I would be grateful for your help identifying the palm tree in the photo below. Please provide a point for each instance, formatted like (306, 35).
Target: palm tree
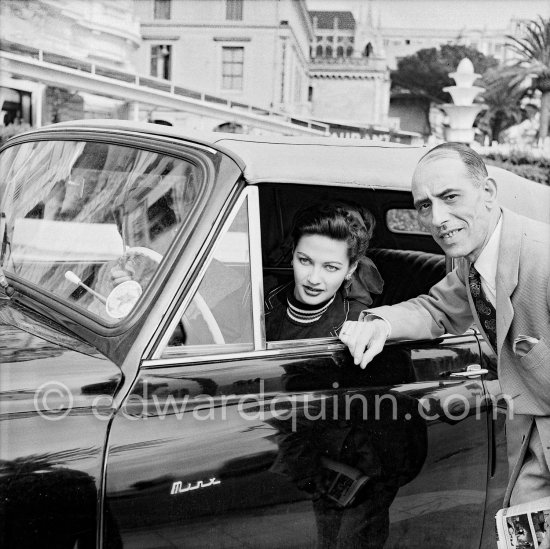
(532, 69)
(503, 105)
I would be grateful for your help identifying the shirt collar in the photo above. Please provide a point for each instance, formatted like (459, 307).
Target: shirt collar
(486, 263)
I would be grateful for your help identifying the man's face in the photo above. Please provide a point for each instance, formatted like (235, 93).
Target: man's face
(452, 208)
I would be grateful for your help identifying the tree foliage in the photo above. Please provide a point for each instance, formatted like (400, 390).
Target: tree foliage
(531, 70)
(426, 72)
(503, 106)
(533, 50)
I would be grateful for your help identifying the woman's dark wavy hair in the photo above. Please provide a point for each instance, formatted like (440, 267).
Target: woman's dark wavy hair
(343, 221)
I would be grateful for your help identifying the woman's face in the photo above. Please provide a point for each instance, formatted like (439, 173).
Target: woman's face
(320, 265)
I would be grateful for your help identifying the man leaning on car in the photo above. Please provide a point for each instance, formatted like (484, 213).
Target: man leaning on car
(501, 282)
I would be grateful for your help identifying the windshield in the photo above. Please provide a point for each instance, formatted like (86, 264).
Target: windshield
(90, 222)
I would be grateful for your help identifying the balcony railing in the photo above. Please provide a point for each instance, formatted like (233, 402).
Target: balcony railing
(348, 63)
(150, 82)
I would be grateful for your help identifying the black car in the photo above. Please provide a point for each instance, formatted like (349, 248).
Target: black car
(153, 412)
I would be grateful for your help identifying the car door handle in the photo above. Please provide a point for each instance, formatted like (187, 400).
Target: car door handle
(473, 370)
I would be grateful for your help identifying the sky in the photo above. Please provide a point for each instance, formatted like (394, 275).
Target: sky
(455, 14)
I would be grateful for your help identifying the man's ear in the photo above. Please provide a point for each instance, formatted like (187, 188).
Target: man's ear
(490, 190)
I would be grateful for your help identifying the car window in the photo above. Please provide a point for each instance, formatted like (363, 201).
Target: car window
(405, 265)
(404, 220)
(90, 222)
(218, 317)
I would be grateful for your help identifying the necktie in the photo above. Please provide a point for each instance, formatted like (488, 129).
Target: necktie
(485, 310)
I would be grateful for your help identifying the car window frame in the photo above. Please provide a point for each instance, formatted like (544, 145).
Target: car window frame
(262, 347)
(162, 351)
(187, 151)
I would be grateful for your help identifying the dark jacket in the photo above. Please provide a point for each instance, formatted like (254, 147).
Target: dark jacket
(279, 326)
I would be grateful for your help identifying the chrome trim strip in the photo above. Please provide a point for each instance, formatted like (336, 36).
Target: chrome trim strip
(198, 279)
(256, 268)
(216, 361)
(301, 347)
(125, 132)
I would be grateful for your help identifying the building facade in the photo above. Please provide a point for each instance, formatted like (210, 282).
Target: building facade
(406, 26)
(93, 31)
(272, 53)
(68, 59)
(399, 28)
(350, 81)
(235, 49)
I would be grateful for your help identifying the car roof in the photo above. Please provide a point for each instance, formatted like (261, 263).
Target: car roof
(522, 195)
(328, 161)
(282, 159)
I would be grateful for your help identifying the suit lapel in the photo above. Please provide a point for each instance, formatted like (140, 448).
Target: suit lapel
(507, 272)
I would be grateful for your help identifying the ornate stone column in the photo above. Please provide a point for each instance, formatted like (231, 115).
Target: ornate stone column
(462, 111)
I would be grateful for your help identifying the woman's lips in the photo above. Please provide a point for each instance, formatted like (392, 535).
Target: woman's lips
(314, 292)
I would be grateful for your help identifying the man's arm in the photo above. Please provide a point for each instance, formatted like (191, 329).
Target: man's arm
(444, 310)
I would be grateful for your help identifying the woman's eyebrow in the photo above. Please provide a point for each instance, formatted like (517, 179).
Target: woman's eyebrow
(330, 261)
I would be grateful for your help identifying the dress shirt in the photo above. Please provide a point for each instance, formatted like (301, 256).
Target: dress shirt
(486, 264)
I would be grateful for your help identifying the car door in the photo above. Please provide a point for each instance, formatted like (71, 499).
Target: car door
(51, 434)
(77, 203)
(219, 442)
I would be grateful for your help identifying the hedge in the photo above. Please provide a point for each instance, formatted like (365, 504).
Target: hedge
(535, 169)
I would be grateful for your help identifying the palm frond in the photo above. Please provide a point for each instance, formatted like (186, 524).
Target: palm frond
(535, 44)
(510, 83)
(535, 35)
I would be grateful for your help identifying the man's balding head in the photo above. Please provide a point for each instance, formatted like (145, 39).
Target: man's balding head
(473, 163)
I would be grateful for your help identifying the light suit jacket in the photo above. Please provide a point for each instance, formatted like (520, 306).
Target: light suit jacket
(522, 308)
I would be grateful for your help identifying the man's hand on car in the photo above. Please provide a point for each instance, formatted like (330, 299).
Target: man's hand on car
(364, 339)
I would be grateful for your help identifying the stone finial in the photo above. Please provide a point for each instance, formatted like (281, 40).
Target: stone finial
(465, 66)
